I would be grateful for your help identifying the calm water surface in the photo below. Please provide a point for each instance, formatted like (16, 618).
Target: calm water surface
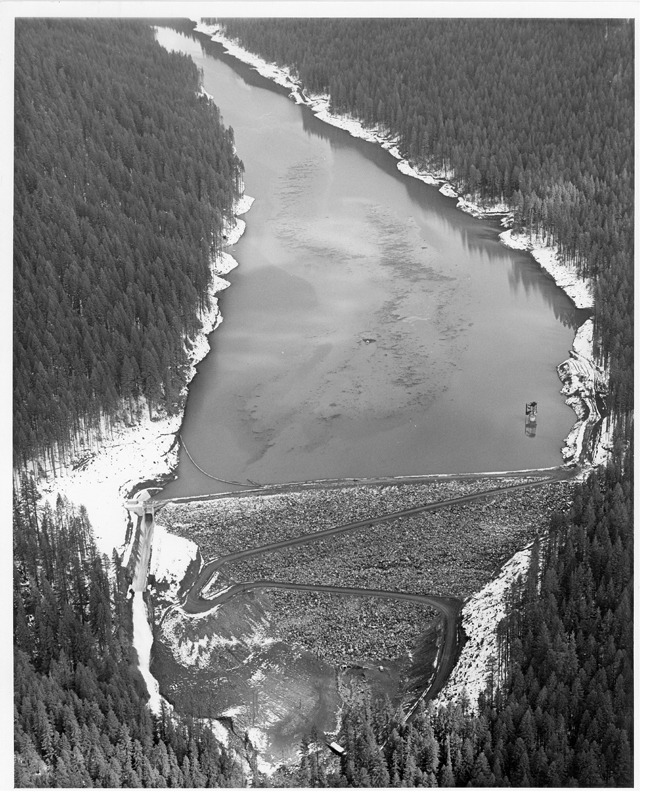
(371, 327)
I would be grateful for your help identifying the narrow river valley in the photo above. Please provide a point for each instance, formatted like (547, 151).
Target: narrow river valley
(323, 425)
(371, 329)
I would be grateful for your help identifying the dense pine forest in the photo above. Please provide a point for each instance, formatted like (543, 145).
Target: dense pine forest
(80, 712)
(123, 177)
(536, 113)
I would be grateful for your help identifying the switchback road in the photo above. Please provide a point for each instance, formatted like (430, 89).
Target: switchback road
(194, 595)
(449, 608)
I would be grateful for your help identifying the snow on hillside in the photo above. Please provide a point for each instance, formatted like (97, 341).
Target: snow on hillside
(579, 290)
(171, 557)
(127, 454)
(480, 618)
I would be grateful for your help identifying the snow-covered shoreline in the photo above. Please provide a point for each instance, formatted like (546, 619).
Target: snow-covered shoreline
(319, 104)
(579, 290)
(583, 378)
(132, 454)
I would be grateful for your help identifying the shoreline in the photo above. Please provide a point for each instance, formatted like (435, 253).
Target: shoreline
(481, 614)
(579, 373)
(565, 277)
(579, 290)
(128, 455)
(149, 449)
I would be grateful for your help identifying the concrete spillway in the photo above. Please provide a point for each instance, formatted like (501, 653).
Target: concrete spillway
(141, 574)
(142, 633)
(142, 642)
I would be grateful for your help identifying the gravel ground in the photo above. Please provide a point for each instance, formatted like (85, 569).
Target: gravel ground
(452, 552)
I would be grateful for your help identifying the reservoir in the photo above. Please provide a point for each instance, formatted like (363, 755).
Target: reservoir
(371, 328)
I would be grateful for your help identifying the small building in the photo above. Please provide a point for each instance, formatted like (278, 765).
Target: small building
(149, 511)
(336, 748)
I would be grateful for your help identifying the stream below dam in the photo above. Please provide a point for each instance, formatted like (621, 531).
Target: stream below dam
(371, 327)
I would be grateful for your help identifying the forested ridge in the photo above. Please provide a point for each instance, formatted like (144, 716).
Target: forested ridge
(536, 113)
(80, 703)
(123, 177)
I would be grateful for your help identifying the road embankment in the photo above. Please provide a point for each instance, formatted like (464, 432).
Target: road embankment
(195, 602)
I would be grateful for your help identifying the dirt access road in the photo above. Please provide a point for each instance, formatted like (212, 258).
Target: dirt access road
(449, 607)
(195, 603)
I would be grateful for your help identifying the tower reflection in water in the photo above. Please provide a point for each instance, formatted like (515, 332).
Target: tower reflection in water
(530, 419)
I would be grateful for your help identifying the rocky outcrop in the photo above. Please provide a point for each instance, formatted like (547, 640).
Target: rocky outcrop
(584, 387)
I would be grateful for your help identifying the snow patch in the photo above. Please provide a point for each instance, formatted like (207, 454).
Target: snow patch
(480, 617)
(583, 379)
(258, 641)
(604, 446)
(579, 290)
(260, 741)
(126, 454)
(426, 177)
(257, 738)
(225, 264)
(480, 209)
(233, 711)
(243, 205)
(170, 557)
(219, 730)
(220, 284)
(448, 190)
(257, 678)
(234, 232)
(194, 653)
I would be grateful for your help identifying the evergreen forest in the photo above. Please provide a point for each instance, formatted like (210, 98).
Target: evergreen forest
(124, 176)
(80, 712)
